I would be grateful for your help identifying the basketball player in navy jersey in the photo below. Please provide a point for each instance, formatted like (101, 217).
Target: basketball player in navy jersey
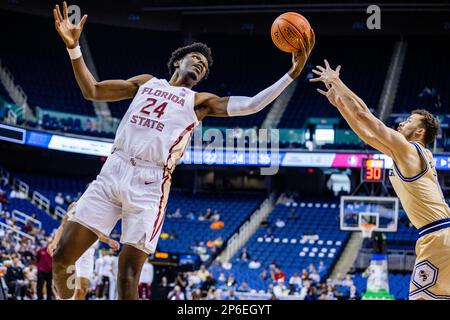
(134, 182)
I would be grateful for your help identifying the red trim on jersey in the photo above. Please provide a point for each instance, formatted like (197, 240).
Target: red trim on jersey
(157, 225)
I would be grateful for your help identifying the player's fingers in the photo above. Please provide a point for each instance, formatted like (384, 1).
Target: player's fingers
(55, 15)
(338, 69)
(58, 11)
(327, 65)
(82, 22)
(65, 11)
(321, 92)
(320, 68)
(315, 79)
(319, 73)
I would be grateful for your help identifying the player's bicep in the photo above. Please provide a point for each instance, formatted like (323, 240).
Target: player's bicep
(116, 90)
(208, 104)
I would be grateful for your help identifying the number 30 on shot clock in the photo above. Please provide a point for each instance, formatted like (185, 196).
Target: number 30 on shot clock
(372, 170)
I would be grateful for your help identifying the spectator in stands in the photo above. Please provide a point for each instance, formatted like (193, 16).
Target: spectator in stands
(293, 215)
(15, 193)
(296, 280)
(145, 281)
(213, 294)
(231, 281)
(181, 281)
(203, 273)
(269, 234)
(244, 256)
(353, 293)
(244, 287)
(3, 198)
(264, 275)
(314, 236)
(196, 295)
(279, 275)
(279, 223)
(190, 216)
(59, 200)
(314, 276)
(321, 269)
(279, 290)
(216, 215)
(15, 280)
(68, 200)
(176, 215)
(231, 296)
(206, 216)
(221, 280)
(347, 282)
(44, 267)
(207, 284)
(254, 264)
(194, 280)
(176, 294)
(30, 272)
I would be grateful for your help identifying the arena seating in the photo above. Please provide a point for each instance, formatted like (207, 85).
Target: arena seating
(425, 67)
(287, 249)
(46, 76)
(366, 79)
(233, 210)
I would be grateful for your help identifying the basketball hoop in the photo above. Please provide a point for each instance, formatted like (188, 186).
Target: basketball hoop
(367, 230)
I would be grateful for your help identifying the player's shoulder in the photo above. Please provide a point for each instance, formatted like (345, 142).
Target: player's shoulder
(141, 79)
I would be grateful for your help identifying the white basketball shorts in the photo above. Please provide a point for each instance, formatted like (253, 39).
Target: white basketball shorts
(84, 266)
(130, 189)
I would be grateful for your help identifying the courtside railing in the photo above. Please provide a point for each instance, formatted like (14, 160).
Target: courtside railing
(41, 201)
(24, 218)
(59, 212)
(17, 233)
(21, 186)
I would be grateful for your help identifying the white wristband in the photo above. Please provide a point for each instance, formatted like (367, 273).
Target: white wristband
(74, 53)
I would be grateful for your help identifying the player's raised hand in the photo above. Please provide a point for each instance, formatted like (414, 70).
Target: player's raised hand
(114, 245)
(69, 32)
(329, 77)
(300, 57)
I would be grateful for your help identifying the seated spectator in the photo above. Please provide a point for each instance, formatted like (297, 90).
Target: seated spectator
(206, 216)
(231, 281)
(305, 275)
(280, 223)
(17, 194)
(221, 280)
(176, 294)
(314, 276)
(311, 268)
(59, 200)
(321, 269)
(293, 215)
(197, 295)
(203, 273)
(15, 280)
(279, 275)
(227, 265)
(347, 282)
(353, 293)
(305, 237)
(216, 215)
(269, 234)
(264, 275)
(194, 280)
(3, 198)
(190, 216)
(279, 290)
(177, 214)
(231, 296)
(296, 280)
(244, 256)
(207, 284)
(244, 287)
(314, 236)
(68, 200)
(254, 264)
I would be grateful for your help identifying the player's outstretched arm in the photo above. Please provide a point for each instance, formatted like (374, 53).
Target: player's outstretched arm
(208, 104)
(369, 128)
(109, 90)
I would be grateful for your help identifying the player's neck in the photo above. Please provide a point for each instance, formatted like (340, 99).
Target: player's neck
(178, 81)
(420, 142)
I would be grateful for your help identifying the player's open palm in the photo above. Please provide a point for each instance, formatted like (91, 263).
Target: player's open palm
(69, 32)
(328, 76)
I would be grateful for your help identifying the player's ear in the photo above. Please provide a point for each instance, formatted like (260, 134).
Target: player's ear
(420, 131)
(177, 63)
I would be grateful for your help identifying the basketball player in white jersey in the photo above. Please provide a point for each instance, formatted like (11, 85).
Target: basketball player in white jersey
(134, 182)
(84, 266)
(413, 177)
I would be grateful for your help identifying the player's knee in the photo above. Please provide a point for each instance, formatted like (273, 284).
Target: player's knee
(61, 259)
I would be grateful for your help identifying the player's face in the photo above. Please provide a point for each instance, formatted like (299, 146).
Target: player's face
(411, 127)
(194, 65)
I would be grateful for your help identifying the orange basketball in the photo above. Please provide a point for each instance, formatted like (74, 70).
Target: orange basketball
(287, 31)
